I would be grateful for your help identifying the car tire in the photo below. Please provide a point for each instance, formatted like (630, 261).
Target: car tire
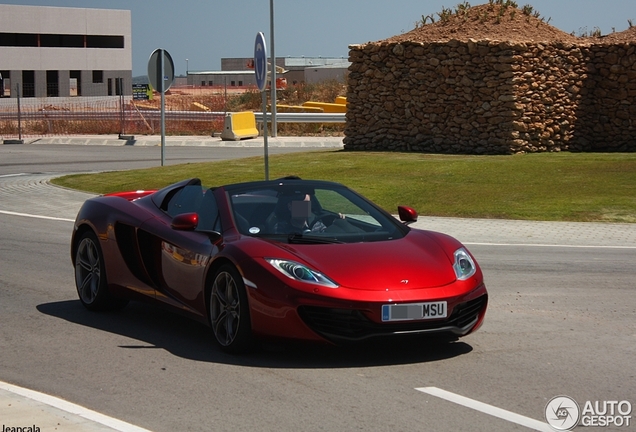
(229, 311)
(90, 276)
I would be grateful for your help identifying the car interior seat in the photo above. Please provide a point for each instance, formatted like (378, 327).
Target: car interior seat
(209, 218)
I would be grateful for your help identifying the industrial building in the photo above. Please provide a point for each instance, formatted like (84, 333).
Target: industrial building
(239, 72)
(60, 52)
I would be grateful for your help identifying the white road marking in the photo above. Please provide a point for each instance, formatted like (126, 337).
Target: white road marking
(36, 216)
(72, 408)
(487, 409)
(549, 245)
(13, 175)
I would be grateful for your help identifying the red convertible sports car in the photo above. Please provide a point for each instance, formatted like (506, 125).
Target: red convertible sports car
(291, 258)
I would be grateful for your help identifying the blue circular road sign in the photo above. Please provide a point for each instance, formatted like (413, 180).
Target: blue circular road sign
(260, 61)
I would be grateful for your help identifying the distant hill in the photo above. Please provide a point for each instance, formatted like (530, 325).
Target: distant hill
(141, 79)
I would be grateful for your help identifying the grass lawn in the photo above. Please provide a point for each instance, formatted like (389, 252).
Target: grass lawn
(544, 186)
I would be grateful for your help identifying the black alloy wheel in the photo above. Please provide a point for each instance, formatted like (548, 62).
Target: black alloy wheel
(229, 311)
(90, 276)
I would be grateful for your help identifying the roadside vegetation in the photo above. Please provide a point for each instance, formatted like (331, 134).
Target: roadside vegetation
(547, 186)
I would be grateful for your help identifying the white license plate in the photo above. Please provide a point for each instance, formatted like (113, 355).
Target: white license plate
(414, 311)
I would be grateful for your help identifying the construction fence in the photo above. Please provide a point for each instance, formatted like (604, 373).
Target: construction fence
(187, 112)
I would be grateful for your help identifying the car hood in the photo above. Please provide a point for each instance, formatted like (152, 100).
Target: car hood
(414, 261)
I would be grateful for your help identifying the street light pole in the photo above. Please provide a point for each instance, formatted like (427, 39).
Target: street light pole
(273, 61)
(186, 68)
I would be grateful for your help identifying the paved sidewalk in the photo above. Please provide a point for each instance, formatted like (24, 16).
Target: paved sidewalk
(533, 233)
(27, 410)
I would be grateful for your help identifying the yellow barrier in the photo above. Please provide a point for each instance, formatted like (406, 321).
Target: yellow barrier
(297, 108)
(196, 106)
(239, 125)
(342, 100)
(327, 107)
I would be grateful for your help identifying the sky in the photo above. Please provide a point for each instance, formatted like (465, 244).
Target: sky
(204, 31)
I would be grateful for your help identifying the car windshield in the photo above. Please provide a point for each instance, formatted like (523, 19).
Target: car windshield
(307, 212)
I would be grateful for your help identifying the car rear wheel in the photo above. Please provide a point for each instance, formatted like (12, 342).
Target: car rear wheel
(90, 275)
(229, 311)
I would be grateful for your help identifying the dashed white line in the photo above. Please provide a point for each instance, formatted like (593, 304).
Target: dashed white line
(72, 408)
(36, 216)
(487, 409)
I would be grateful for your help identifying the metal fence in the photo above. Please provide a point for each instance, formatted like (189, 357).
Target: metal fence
(188, 113)
(196, 114)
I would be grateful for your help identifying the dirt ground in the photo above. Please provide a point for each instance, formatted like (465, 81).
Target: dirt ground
(497, 22)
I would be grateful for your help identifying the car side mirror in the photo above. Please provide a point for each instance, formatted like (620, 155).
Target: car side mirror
(407, 214)
(185, 222)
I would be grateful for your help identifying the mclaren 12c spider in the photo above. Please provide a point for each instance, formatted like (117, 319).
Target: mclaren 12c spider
(287, 258)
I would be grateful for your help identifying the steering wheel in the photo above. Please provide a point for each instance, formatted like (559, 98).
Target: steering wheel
(326, 218)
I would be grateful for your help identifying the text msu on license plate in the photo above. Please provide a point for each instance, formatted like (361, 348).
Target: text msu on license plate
(414, 311)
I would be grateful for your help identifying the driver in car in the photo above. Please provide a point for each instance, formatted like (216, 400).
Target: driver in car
(297, 217)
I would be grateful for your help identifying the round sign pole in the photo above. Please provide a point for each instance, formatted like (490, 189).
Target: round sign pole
(274, 97)
(163, 107)
(260, 71)
(161, 77)
(265, 155)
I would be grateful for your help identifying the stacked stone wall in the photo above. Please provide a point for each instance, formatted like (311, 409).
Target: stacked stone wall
(489, 97)
(606, 115)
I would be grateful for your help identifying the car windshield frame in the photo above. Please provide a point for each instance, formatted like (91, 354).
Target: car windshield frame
(309, 212)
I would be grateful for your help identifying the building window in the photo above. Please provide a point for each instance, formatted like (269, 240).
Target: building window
(5, 79)
(18, 40)
(104, 41)
(72, 41)
(210, 83)
(28, 83)
(47, 40)
(98, 77)
(202, 83)
(75, 83)
(52, 83)
(50, 40)
(232, 83)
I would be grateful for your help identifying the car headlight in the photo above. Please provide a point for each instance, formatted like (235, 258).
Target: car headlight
(464, 265)
(300, 272)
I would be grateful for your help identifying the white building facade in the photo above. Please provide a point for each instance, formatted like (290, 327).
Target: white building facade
(237, 71)
(60, 52)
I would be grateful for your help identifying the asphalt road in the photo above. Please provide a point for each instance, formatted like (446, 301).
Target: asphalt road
(33, 158)
(560, 322)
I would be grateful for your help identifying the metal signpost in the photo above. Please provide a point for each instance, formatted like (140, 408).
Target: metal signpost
(260, 69)
(161, 76)
(17, 92)
(274, 83)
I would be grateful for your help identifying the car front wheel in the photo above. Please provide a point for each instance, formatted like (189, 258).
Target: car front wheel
(229, 311)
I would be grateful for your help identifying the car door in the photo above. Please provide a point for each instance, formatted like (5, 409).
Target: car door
(178, 259)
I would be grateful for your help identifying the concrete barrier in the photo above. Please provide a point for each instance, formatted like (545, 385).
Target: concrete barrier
(239, 125)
